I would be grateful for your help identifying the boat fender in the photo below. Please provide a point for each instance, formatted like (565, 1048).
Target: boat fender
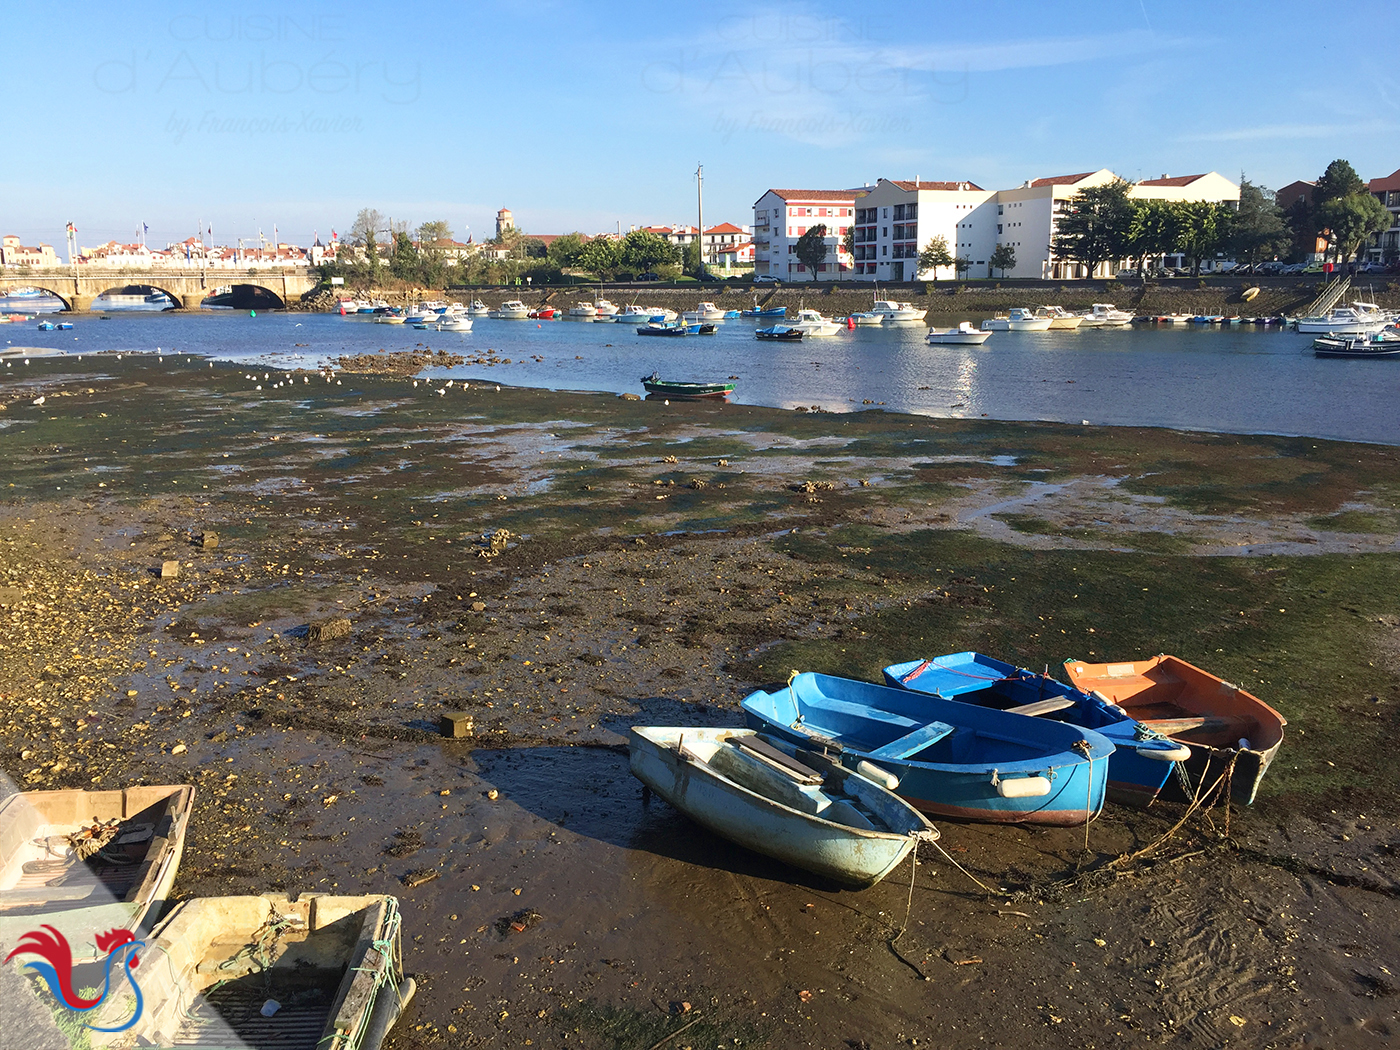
(1021, 787)
(1244, 743)
(1180, 753)
(877, 775)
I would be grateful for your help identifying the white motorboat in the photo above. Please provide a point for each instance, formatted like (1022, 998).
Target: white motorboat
(1060, 318)
(1106, 315)
(1019, 319)
(479, 309)
(604, 308)
(810, 322)
(868, 317)
(635, 314)
(889, 310)
(795, 805)
(963, 335)
(389, 318)
(586, 311)
(454, 323)
(511, 310)
(1358, 318)
(704, 312)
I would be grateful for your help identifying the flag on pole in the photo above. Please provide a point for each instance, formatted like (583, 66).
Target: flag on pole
(145, 228)
(72, 230)
(333, 233)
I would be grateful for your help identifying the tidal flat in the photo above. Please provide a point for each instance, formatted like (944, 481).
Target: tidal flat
(561, 566)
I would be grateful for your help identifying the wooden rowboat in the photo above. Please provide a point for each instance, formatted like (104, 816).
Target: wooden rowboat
(317, 972)
(654, 384)
(798, 807)
(1219, 721)
(949, 759)
(89, 861)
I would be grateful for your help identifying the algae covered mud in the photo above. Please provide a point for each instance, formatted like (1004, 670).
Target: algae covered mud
(559, 567)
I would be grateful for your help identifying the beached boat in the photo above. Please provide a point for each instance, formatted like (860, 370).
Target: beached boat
(94, 860)
(318, 972)
(511, 310)
(810, 322)
(950, 759)
(1142, 761)
(795, 805)
(654, 384)
(963, 335)
(1018, 319)
(780, 333)
(1217, 720)
(890, 311)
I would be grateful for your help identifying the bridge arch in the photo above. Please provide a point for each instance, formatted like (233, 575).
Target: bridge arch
(178, 298)
(247, 285)
(59, 289)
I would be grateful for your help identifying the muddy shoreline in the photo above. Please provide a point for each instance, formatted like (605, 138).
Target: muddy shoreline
(662, 562)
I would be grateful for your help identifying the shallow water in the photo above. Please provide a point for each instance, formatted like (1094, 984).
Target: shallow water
(1238, 380)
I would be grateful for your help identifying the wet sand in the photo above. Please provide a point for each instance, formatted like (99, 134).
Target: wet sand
(662, 562)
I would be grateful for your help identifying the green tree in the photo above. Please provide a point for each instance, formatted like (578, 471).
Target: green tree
(601, 256)
(1350, 220)
(565, 251)
(1094, 227)
(1259, 231)
(935, 255)
(1203, 229)
(643, 250)
(811, 248)
(848, 241)
(364, 232)
(403, 258)
(1339, 180)
(1004, 258)
(961, 264)
(1152, 230)
(429, 233)
(691, 262)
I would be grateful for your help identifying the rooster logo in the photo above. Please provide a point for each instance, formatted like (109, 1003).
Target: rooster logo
(120, 946)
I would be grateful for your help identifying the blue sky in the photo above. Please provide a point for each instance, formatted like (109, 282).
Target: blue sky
(580, 116)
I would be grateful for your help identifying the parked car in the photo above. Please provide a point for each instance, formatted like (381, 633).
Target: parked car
(648, 277)
(766, 278)
(1372, 267)
(1126, 273)
(1272, 267)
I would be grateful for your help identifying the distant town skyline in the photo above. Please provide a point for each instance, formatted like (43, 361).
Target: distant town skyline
(586, 117)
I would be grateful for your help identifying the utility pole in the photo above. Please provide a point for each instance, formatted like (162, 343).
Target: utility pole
(700, 212)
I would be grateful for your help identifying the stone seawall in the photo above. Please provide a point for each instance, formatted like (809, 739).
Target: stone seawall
(945, 302)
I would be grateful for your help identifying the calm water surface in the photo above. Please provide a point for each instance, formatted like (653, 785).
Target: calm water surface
(1241, 380)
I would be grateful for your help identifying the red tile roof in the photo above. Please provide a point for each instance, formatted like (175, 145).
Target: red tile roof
(1177, 180)
(1062, 180)
(724, 227)
(816, 195)
(912, 185)
(1390, 182)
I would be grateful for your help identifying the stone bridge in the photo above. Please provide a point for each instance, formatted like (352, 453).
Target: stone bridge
(187, 289)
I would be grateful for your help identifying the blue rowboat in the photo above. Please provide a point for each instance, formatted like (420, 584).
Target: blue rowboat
(767, 311)
(949, 759)
(774, 798)
(1142, 762)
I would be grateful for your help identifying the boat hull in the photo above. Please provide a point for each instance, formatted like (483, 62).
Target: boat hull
(1134, 778)
(957, 338)
(1169, 688)
(972, 774)
(768, 820)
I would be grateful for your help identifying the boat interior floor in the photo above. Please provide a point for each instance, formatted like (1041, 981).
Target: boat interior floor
(304, 1000)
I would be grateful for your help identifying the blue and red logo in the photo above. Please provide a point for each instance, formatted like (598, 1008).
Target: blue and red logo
(120, 947)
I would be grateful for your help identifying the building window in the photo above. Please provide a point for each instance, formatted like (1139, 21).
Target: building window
(911, 211)
(884, 249)
(885, 230)
(899, 213)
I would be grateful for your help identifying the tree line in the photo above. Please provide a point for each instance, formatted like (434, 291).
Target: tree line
(377, 248)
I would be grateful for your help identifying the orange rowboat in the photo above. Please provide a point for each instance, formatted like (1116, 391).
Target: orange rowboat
(1217, 720)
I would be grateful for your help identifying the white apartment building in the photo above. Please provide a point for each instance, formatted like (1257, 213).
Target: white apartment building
(895, 220)
(781, 217)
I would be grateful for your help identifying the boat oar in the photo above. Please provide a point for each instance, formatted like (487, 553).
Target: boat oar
(793, 693)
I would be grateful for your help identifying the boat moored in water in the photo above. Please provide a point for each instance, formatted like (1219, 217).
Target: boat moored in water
(963, 335)
(1018, 319)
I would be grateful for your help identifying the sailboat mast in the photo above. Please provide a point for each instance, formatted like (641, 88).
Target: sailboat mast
(700, 212)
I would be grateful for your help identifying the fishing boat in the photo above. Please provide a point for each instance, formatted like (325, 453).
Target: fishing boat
(765, 311)
(654, 384)
(1142, 760)
(317, 972)
(544, 313)
(459, 323)
(1376, 345)
(1060, 318)
(950, 759)
(1219, 721)
(1358, 318)
(604, 309)
(97, 860)
(1106, 315)
(963, 335)
(669, 328)
(511, 310)
(779, 332)
(583, 311)
(890, 311)
(46, 326)
(795, 805)
(1018, 319)
(810, 322)
(866, 317)
(478, 309)
(704, 312)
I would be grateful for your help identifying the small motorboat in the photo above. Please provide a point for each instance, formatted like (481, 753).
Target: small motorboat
(810, 322)
(794, 805)
(1018, 319)
(46, 326)
(96, 860)
(604, 308)
(668, 328)
(457, 323)
(963, 335)
(867, 317)
(1219, 721)
(317, 972)
(654, 384)
(1378, 345)
(1060, 318)
(1356, 319)
(478, 308)
(704, 312)
(779, 332)
(1106, 315)
(891, 311)
(544, 313)
(583, 311)
(766, 311)
(511, 310)
(949, 759)
(644, 314)
(1142, 760)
